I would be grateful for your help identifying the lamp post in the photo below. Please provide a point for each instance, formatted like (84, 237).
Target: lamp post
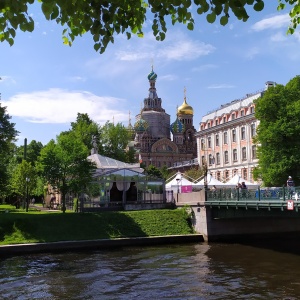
(205, 180)
(27, 200)
(178, 178)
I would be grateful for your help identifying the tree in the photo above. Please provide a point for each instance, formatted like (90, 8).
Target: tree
(24, 180)
(65, 166)
(114, 140)
(195, 173)
(278, 111)
(85, 129)
(7, 138)
(153, 171)
(104, 19)
(33, 151)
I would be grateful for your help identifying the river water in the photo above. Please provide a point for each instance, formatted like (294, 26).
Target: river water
(190, 271)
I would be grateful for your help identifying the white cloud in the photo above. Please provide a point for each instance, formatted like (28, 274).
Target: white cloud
(168, 77)
(278, 37)
(61, 106)
(204, 68)
(177, 46)
(272, 23)
(252, 52)
(6, 79)
(221, 86)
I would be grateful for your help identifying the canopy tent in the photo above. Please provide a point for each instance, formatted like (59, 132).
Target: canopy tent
(236, 179)
(179, 181)
(211, 181)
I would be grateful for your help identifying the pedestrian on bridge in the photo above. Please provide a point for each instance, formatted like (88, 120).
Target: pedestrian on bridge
(290, 186)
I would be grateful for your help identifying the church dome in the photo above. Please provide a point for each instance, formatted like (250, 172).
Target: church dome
(177, 127)
(152, 75)
(141, 125)
(185, 109)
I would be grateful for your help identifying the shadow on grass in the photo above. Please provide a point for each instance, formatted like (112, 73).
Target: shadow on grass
(49, 227)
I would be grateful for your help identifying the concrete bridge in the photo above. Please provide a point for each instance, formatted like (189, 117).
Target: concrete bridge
(243, 217)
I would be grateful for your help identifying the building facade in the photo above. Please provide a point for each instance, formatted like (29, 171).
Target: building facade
(156, 141)
(225, 139)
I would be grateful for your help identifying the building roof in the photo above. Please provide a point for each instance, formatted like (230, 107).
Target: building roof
(104, 162)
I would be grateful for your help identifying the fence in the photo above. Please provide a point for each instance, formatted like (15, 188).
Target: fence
(275, 193)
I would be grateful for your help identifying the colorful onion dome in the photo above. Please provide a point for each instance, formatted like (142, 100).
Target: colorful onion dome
(185, 109)
(152, 75)
(141, 125)
(177, 127)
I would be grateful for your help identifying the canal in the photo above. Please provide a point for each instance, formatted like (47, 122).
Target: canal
(190, 271)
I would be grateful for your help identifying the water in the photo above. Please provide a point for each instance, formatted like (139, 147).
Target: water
(192, 271)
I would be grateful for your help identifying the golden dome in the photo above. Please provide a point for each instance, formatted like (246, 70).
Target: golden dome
(185, 109)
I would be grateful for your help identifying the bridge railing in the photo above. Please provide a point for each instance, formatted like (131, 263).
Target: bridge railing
(275, 193)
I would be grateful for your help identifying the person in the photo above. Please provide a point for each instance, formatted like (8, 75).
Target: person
(290, 186)
(32, 201)
(243, 189)
(243, 186)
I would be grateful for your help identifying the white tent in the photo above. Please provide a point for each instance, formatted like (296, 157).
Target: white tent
(236, 179)
(211, 181)
(178, 181)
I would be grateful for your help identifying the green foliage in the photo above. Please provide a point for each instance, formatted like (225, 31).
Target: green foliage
(105, 19)
(18, 228)
(85, 130)
(23, 178)
(33, 151)
(152, 171)
(7, 137)
(114, 140)
(194, 173)
(278, 134)
(64, 164)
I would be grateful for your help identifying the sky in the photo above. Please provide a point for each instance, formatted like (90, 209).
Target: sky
(44, 84)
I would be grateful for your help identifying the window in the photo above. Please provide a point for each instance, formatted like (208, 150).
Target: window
(234, 155)
(218, 158)
(224, 119)
(252, 109)
(232, 116)
(202, 144)
(245, 174)
(244, 153)
(242, 113)
(209, 142)
(233, 135)
(210, 159)
(225, 138)
(226, 157)
(208, 125)
(217, 140)
(203, 160)
(219, 176)
(253, 151)
(253, 131)
(243, 133)
(226, 175)
(217, 122)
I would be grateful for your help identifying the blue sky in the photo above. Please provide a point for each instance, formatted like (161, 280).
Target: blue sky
(45, 83)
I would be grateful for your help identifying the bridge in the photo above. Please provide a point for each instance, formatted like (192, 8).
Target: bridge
(230, 214)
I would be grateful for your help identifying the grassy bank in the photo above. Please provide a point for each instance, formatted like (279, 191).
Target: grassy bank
(18, 227)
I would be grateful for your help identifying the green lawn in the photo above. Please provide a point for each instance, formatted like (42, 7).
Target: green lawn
(18, 226)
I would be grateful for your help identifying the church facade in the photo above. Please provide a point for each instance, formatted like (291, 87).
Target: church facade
(159, 142)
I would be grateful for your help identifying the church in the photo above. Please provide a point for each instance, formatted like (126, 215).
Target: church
(152, 131)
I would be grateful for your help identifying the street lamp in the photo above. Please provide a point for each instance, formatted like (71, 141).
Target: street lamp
(205, 168)
(178, 179)
(27, 200)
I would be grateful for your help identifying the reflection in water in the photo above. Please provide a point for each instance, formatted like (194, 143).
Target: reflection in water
(193, 271)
